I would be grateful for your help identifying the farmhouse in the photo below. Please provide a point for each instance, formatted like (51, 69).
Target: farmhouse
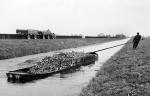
(29, 34)
(36, 34)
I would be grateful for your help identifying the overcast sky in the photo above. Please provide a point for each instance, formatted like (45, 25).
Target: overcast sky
(88, 17)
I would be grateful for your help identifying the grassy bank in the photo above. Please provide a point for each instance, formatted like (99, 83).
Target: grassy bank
(15, 48)
(127, 73)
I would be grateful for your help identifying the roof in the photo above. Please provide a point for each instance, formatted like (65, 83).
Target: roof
(46, 32)
(31, 31)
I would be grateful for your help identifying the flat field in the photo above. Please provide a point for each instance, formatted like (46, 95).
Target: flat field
(19, 47)
(127, 73)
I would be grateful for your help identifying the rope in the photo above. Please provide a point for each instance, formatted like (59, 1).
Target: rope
(110, 47)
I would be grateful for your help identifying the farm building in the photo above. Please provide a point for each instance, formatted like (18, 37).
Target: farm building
(36, 34)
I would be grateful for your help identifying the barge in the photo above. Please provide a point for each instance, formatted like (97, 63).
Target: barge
(47, 68)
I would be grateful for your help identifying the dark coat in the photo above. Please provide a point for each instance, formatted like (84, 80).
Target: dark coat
(136, 39)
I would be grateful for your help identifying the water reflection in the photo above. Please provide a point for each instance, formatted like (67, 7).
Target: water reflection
(20, 81)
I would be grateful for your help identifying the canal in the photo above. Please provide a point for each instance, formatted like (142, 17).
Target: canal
(67, 83)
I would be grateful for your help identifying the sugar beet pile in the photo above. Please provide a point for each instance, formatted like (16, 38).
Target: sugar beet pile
(60, 61)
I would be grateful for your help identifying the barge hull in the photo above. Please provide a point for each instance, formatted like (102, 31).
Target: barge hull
(21, 75)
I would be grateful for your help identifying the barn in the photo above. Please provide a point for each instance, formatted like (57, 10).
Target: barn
(36, 34)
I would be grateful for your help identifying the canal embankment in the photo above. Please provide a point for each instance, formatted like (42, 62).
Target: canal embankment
(10, 48)
(127, 73)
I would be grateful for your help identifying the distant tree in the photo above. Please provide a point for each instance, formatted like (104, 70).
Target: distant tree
(101, 35)
(108, 36)
(120, 36)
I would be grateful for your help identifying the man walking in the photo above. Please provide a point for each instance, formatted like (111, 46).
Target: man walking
(136, 40)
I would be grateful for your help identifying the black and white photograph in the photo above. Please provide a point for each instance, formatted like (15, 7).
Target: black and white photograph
(74, 47)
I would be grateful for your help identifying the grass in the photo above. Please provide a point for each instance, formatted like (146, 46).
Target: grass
(127, 73)
(16, 48)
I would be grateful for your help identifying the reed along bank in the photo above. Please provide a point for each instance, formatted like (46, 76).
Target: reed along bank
(10, 48)
(127, 73)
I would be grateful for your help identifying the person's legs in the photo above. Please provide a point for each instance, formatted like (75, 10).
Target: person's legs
(136, 44)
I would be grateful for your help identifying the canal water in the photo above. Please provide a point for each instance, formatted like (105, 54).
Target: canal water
(68, 83)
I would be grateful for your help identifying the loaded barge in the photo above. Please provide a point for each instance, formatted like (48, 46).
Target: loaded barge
(51, 65)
